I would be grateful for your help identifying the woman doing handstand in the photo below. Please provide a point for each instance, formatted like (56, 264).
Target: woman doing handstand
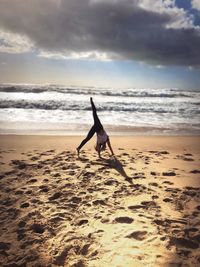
(102, 137)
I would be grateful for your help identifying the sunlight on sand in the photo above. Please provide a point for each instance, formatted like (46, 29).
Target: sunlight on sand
(136, 210)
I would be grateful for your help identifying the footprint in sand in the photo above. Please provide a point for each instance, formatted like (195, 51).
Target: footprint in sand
(4, 247)
(169, 173)
(34, 158)
(111, 182)
(47, 171)
(153, 184)
(34, 201)
(82, 222)
(55, 196)
(32, 181)
(155, 197)
(139, 175)
(37, 228)
(71, 173)
(20, 234)
(195, 171)
(184, 242)
(88, 175)
(136, 207)
(19, 192)
(124, 220)
(60, 259)
(185, 157)
(160, 222)
(138, 235)
(190, 191)
(168, 182)
(43, 188)
(188, 159)
(24, 205)
(76, 200)
(164, 152)
(56, 175)
(85, 249)
(149, 204)
(188, 154)
(99, 202)
(19, 164)
(29, 192)
(21, 224)
(168, 199)
(104, 220)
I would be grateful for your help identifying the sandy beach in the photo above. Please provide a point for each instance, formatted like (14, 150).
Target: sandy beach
(141, 208)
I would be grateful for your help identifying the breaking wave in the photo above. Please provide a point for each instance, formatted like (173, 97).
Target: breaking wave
(168, 93)
(168, 108)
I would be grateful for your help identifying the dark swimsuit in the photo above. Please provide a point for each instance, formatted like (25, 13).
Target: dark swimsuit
(97, 127)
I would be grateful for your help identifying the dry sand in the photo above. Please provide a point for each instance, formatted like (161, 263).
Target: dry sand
(140, 209)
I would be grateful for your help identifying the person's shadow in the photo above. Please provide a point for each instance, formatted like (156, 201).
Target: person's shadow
(115, 163)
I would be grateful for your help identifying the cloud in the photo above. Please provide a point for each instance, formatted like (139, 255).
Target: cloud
(179, 18)
(14, 43)
(196, 4)
(91, 55)
(154, 32)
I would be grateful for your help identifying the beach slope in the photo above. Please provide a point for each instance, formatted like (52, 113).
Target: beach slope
(141, 208)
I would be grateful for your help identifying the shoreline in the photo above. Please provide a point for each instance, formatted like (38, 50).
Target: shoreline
(83, 133)
(65, 129)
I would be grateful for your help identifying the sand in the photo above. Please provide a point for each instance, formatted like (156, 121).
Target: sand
(141, 208)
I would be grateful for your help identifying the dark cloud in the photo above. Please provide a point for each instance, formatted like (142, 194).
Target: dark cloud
(122, 29)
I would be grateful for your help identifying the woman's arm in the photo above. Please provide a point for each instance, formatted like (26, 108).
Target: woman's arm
(98, 149)
(110, 147)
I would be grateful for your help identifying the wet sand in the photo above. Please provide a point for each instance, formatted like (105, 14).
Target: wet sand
(141, 208)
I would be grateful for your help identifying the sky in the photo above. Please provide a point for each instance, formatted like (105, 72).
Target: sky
(115, 43)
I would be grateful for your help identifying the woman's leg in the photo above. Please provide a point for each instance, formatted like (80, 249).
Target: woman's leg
(97, 123)
(88, 137)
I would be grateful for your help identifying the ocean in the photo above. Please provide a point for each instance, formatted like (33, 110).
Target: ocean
(56, 109)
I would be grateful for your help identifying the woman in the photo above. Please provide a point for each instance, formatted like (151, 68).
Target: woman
(102, 137)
